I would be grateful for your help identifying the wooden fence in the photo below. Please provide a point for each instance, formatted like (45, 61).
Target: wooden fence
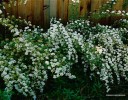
(39, 12)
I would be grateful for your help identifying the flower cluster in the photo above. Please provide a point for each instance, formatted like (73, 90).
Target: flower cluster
(122, 23)
(21, 63)
(75, 1)
(14, 2)
(106, 12)
(111, 50)
(108, 5)
(114, 53)
(0, 11)
(25, 60)
(67, 44)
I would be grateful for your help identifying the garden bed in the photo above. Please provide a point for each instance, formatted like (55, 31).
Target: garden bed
(78, 61)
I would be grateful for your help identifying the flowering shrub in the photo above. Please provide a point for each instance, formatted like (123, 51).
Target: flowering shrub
(65, 44)
(114, 52)
(77, 51)
(11, 26)
(24, 60)
(5, 95)
(27, 58)
(122, 23)
(21, 66)
(111, 44)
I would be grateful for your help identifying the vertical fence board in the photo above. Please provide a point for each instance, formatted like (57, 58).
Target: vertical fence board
(118, 5)
(7, 8)
(95, 5)
(46, 14)
(69, 7)
(66, 4)
(14, 8)
(53, 8)
(20, 9)
(34, 11)
(38, 16)
(85, 7)
(24, 10)
(104, 1)
(60, 9)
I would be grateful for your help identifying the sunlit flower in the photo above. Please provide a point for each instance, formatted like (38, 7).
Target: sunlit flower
(99, 49)
(75, 1)
(0, 11)
(127, 14)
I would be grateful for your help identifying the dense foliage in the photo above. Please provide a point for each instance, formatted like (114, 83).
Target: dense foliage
(79, 61)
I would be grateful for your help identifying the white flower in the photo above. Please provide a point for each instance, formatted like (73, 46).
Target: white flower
(25, 2)
(16, 33)
(26, 44)
(54, 76)
(49, 67)
(108, 10)
(4, 73)
(7, 77)
(61, 74)
(113, 12)
(26, 28)
(55, 60)
(123, 11)
(6, 47)
(53, 54)
(26, 53)
(21, 39)
(19, 17)
(99, 49)
(47, 62)
(45, 77)
(119, 12)
(75, 1)
(0, 11)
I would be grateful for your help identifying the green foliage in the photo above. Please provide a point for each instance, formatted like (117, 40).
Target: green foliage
(78, 61)
(4, 95)
(125, 4)
(111, 43)
(73, 11)
(75, 60)
(108, 5)
(11, 25)
(122, 23)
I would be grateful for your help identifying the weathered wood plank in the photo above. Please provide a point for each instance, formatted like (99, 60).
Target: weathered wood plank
(34, 11)
(60, 5)
(24, 10)
(46, 14)
(14, 8)
(66, 4)
(53, 8)
(85, 7)
(118, 5)
(37, 14)
(95, 5)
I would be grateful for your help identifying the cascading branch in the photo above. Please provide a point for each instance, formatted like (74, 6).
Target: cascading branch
(25, 60)
(110, 44)
(114, 55)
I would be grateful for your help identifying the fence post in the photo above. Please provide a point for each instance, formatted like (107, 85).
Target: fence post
(85, 8)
